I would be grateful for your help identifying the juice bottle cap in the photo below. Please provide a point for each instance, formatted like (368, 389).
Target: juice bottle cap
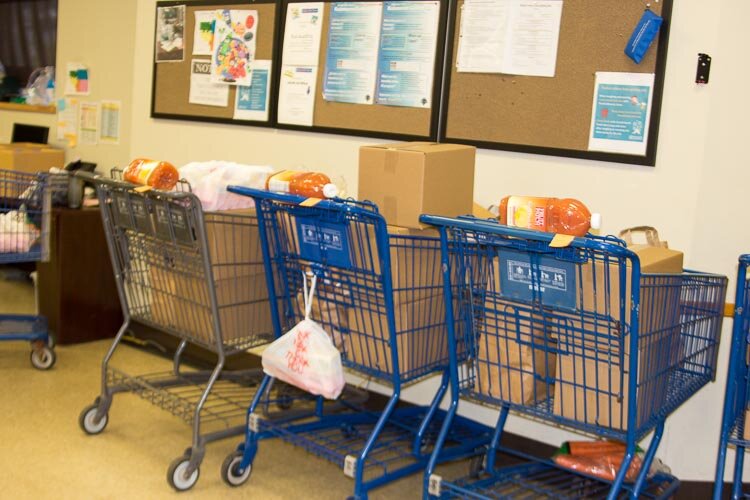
(596, 221)
(330, 190)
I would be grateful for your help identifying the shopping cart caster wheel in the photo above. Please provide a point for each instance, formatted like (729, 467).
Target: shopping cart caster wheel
(230, 470)
(477, 466)
(348, 431)
(51, 340)
(87, 420)
(176, 476)
(43, 358)
(285, 398)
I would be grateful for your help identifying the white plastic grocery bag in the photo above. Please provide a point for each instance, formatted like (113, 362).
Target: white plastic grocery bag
(305, 356)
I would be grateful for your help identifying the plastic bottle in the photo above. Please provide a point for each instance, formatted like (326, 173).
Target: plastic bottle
(552, 215)
(307, 184)
(158, 174)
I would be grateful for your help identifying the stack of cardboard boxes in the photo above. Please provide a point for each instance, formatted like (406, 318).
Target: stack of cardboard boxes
(179, 297)
(406, 180)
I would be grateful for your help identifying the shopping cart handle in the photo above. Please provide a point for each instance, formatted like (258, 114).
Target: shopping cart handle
(292, 199)
(468, 223)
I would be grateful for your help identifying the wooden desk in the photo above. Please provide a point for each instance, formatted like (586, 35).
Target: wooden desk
(77, 290)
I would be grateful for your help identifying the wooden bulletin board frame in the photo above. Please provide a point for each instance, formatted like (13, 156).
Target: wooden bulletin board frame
(171, 80)
(374, 120)
(552, 116)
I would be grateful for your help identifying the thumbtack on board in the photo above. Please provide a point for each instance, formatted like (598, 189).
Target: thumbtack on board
(704, 68)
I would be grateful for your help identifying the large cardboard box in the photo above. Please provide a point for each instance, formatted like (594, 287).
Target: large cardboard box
(234, 243)
(182, 303)
(420, 332)
(406, 180)
(515, 361)
(415, 261)
(29, 157)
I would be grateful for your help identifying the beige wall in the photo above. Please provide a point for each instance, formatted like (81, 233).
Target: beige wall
(100, 35)
(694, 195)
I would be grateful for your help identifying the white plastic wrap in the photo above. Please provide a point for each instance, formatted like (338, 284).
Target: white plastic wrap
(209, 181)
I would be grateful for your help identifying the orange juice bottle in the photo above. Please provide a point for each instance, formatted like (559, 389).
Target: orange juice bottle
(158, 174)
(551, 215)
(308, 184)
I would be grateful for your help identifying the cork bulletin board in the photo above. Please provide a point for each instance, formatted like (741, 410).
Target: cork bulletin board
(373, 120)
(552, 116)
(171, 80)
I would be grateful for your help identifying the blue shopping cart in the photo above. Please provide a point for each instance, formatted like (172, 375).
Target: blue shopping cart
(575, 336)
(735, 428)
(379, 295)
(25, 204)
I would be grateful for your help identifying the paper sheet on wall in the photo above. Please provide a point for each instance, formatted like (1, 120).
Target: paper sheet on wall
(406, 61)
(67, 120)
(109, 130)
(77, 79)
(202, 89)
(170, 34)
(233, 46)
(88, 123)
(352, 52)
(517, 37)
(302, 29)
(297, 95)
(251, 103)
(203, 34)
(621, 112)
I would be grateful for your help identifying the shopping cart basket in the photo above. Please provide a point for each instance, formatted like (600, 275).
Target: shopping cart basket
(198, 276)
(25, 204)
(576, 336)
(735, 428)
(380, 298)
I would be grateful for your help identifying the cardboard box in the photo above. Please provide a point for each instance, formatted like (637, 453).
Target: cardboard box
(234, 243)
(420, 332)
(515, 361)
(182, 303)
(415, 262)
(407, 180)
(746, 434)
(591, 383)
(29, 157)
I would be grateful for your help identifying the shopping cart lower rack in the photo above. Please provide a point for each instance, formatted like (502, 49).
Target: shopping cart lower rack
(25, 205)
(198, 276)
(735, 428)
(575, 336)
(380, 298)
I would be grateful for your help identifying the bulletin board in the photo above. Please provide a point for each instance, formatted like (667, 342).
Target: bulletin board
(372, 120)
(552, 116)
(172, 80)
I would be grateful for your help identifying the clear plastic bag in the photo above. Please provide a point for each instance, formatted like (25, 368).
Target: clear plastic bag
(306, 357)
(40, 89)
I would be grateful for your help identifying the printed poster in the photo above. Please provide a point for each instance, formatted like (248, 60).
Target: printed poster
(88, 123)
(203, 34)
(109, 129)
(77, 79)
(67, 120)
(170, 33)
(251, 103)
(406, 64)
(297, 95)
(352, 53)
(233, 46)
(621, 112)
(302, 32)
(202, 89)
